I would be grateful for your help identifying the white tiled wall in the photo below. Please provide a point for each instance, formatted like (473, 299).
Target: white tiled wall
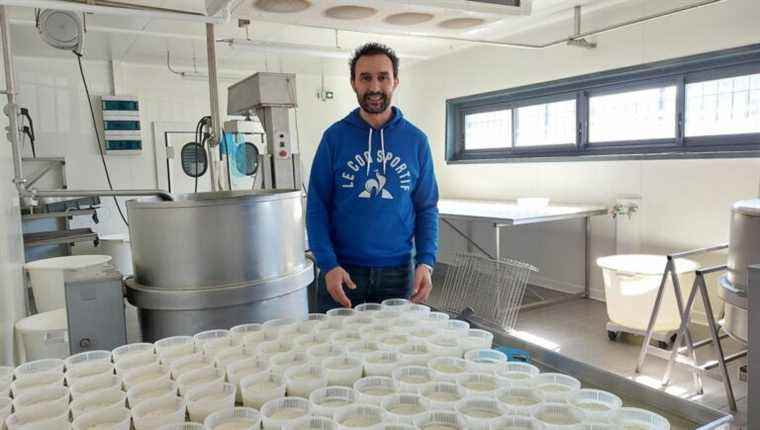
(52, 89)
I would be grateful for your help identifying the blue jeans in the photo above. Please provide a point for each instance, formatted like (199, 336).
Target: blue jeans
(373, 285)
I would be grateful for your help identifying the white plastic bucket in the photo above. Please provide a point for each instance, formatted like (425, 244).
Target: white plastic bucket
(44, 335)
(46, 277)
(631, 283)
(118, 247)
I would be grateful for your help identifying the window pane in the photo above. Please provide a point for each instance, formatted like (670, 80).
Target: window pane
(633, 115)
(723, 106)
(488, 130)
(546, 124)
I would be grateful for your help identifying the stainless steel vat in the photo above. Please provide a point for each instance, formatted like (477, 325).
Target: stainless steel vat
(214, 260)
(743, 251)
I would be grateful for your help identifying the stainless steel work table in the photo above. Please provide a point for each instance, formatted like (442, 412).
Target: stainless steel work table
(509, 214)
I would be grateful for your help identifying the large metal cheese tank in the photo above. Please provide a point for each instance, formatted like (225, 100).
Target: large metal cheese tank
(215, 260)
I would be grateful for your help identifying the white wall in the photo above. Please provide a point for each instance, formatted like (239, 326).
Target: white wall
(685, 203)
(52, 89)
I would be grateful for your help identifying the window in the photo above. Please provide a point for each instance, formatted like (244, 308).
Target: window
(723, 106)
(633, 115)
(546, 124)
(488, 130)
(706, 105)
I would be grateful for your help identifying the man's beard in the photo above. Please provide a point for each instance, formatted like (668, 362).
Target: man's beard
(364, 102)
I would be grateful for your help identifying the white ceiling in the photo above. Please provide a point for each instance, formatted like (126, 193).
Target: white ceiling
(114, 38)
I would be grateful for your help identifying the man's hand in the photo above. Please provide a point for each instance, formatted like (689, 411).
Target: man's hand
(334, 280)
(423, 284)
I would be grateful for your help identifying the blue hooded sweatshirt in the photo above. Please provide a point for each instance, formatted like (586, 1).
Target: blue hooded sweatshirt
(372, 195)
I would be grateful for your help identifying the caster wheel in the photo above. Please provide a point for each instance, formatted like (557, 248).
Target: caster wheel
(663, 345)
(612, 335)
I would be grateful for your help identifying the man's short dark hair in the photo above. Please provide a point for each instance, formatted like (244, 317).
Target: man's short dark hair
(374, 48)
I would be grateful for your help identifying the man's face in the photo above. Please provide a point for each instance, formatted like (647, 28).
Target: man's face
(374, 83)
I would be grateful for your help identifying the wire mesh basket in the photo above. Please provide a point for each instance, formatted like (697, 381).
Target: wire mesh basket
(493, 290)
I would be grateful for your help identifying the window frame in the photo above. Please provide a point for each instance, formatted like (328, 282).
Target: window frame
(679, 72)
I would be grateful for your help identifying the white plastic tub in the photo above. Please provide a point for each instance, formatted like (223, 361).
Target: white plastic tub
(443, 395)
(206, 375)
(302, 380)
(203, 400)
(238, 370)
(44, 335)
(233, 418)
(150, 390)
(597, 404)
(162, 411)
(447, 368)
(104, 399)
(151, 372)
(437, 420)
(559, 416)
(277, 412)
(325, 402)
(113, 419)
(381, 363)
(480, 384)
(311, 423)
(372, 390)
(46, 277)
(36, 381)
(405, 408)
(79, 364)
(519, 374)
(260, 388)
(631, 283)
(640, 418)
(52, 418)
(343, 371)
(556, 387)
(48, 397)
(411, 379)
(520, 400)
(480, 412)
(118, 247)
(360, 417)
(95, 383)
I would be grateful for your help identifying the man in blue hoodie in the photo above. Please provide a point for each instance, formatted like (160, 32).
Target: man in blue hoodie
(373, 196)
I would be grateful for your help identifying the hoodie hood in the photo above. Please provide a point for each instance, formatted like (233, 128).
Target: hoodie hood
(355, 119)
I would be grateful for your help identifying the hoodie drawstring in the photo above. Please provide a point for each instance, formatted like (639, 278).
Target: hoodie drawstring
(382, 147)
(369, 151)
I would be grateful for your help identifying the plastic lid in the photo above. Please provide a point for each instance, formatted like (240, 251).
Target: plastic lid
(748, 207)
(71, 262)
(642, 264)
(44, 321)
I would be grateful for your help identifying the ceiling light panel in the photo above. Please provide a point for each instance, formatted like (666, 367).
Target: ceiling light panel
(418, 16)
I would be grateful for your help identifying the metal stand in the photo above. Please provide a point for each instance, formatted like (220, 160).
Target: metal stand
(683, 334)
(542, 302)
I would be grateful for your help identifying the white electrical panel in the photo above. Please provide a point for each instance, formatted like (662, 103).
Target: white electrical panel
(121, 125)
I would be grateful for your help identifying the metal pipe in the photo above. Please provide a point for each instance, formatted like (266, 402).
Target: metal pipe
(216, 124)
(165, 195)
(577, 19)
(12, 109)
(641, 20)
(121, 10)
(699, 251)
(713, 269)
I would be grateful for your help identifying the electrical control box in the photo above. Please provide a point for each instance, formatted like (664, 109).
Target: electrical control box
(121, 125)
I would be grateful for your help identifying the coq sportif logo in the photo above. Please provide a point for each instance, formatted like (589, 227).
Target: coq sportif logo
(375, 185)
